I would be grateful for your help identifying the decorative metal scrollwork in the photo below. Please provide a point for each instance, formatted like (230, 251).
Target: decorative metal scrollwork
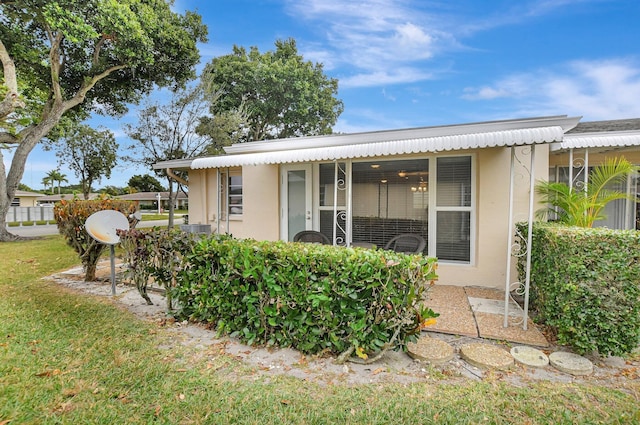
(579, 170)
(341, 231)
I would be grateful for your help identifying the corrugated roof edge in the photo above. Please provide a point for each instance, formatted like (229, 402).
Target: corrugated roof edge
(598, 139)
(567, 123)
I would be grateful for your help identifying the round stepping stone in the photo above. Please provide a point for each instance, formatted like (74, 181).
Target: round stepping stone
(571, 363)
(432, 350)
(486, 356)
(529, 356)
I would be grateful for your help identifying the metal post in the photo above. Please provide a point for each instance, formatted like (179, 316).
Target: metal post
(507, 284)
(219, 209)
(349, 202)
(529, 236)
(586, 169)
(113, 269)
(335, 203)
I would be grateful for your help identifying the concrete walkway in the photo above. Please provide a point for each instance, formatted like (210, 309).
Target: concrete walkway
(479, 312)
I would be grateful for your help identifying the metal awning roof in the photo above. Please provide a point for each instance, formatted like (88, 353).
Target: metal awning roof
(611, 139)
(512, 137)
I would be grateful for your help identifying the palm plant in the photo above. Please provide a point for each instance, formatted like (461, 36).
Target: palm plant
(582, 207)
(46, 181)
(54, 176)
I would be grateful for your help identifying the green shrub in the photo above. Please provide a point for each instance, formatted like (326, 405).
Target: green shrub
(315, 298)
(71, 216)
(156, 253)
(585, 283)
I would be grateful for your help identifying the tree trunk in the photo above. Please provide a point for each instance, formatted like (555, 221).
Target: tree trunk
(5, 204)
(9, 182)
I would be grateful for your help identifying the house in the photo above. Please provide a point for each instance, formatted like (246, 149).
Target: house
(462, 187)
(52, 199)
(23, 198)
(149, 200)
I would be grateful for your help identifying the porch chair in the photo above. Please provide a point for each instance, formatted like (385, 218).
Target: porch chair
(407, 243)
(311, 236)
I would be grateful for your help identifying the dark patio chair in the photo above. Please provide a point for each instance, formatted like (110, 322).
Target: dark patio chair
(311, 236)
(407, 243)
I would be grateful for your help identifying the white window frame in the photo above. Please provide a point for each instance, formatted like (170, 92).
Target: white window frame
(434, 209)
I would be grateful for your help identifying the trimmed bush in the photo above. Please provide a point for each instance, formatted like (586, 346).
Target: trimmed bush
(585, 283)
(314, 298)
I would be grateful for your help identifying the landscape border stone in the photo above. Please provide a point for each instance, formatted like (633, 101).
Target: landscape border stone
(529, 356)
(571, 363)
(486, 356)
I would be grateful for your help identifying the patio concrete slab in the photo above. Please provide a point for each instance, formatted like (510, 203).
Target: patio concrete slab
(447, 296)
(488, 293)
(492, 326)
(484, 305)
(479, 312)
(453, 320)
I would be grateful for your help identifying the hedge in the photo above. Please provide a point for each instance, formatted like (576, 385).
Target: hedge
(585, 283)
(314, 298)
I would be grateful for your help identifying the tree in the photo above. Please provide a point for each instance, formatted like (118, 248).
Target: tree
(168, 131)
(582, 207)
(279, 94)
(90, 153)
(145, 183)
(65, 59)
(113, 190)
(24, 187)
(46, 182)
(54, 176)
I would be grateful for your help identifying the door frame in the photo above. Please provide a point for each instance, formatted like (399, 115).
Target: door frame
(284, 198)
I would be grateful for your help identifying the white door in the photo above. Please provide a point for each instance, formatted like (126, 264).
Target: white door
(296, 212)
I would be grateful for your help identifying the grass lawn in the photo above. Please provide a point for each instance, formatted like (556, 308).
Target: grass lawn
(68, 358)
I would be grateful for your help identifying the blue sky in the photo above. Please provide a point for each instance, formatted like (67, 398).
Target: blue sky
(414, 63)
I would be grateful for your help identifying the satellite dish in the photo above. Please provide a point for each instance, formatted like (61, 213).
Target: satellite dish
(103, 225)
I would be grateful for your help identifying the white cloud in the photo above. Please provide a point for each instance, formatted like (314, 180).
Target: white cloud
(384, 77)
(386, 41)
(597, 89)
(376, 37)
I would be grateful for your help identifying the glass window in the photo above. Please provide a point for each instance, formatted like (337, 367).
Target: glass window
(389, 198)
(453, 206)
(232, 192)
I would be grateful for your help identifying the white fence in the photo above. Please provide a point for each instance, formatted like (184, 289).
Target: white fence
(29, 214)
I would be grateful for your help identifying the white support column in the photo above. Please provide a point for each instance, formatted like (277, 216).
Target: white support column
(507, 283)
(349, 171)
(529, 237)
(335, 203)
(226, 200)
(586, 169)
(219, 208)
